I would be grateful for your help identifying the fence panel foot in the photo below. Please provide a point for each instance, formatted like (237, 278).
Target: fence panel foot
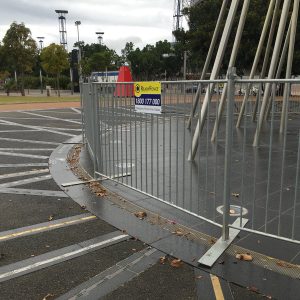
(214, 252)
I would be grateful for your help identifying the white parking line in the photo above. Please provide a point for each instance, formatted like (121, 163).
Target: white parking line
(19, 174)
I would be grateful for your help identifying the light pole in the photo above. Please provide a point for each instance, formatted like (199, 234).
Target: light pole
(41, 41)
(77, 23)
(100, 36)
(63, 38)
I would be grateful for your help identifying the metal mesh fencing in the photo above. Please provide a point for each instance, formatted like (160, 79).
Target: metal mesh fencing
(149, 152)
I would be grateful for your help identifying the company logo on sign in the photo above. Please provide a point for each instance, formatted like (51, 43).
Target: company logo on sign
(148, 97)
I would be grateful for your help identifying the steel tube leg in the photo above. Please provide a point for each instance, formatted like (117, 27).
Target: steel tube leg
(229, 136)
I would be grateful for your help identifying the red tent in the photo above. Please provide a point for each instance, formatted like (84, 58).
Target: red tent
(124, 90)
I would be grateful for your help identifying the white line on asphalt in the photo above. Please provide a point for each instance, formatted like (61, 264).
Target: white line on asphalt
(35, 127)
(25, 130)
(60, 257)
(51, 118)
(27, 149)
(76, 110)
(63, 129)
(29, 141)
(46, 226)
(23, 165)
(19, 174)
(31, 192)
(25, 181)
(23, 155)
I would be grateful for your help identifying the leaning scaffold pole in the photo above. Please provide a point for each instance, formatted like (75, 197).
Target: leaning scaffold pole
(215, 71)
(208, 60)
(272, 70)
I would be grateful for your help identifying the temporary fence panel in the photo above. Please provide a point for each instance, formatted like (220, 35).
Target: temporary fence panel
(149, 152)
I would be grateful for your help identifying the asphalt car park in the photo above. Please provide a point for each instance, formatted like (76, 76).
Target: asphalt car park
(52, 246)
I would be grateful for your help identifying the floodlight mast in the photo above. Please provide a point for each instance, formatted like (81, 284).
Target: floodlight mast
(100, 36)
(62, 27)
(41, 42)
(77, 23)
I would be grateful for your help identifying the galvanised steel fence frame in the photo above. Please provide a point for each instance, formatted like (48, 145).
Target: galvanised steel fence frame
(228, 179)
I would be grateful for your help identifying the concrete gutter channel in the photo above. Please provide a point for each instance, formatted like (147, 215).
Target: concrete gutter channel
(161, 227)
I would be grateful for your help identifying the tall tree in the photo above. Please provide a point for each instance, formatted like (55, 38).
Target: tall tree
(20, 50)
(54, 60)
(202, 21)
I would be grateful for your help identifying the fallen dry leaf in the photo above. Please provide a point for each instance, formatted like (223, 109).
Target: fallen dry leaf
(48, 296)
(141, 215)
(101, 194)
(178, 232)
(253, 289)
(171, 222)
(176, 263)
(244, 256)
(212, 241)
(162, 260)
(51, 217)
(199, 277)
(284, 264)
(83, 206)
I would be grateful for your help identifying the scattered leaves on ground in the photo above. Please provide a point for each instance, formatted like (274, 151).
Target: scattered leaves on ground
(141, 215)
(244, 256)
(172, 222)
(176, 263)
(253, 289)
(284, 264)
(212, 241)
(102, 194)
(163, 260)
(178, 232)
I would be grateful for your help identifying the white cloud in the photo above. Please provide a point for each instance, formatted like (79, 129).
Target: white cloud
(140, 21)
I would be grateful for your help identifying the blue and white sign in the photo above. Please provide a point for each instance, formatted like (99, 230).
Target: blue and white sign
(148, 97)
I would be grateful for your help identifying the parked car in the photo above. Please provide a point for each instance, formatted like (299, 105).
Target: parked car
(191, 88)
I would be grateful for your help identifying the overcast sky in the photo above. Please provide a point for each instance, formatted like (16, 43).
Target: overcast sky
(139, 21)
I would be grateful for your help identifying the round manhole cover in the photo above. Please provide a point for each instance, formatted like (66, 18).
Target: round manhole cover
(234, 210)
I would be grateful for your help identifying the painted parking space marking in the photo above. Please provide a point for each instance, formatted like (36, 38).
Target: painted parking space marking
(13, 131)
(26, 149)
(115, 276)
(51, 118)
(217, 287)
(76, 110)
(19, 174)
(25, 181)
(54, 257)
(33, 192)
(23, 165)
(29, 141)
(36, 127)
(63, 129)
(46, 226)
(23, 155)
